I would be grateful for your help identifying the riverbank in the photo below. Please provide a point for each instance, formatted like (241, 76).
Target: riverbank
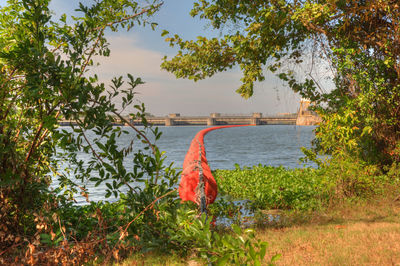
(353, 233)
(354, 218)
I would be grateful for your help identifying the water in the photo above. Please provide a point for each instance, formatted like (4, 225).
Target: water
(273, 145)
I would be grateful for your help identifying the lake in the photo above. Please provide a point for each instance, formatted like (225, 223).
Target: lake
(247, 146)
(273, 145)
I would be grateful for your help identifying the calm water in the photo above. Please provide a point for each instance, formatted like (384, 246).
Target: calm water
(273, 145)
(247, 146)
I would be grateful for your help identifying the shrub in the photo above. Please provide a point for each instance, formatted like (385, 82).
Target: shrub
(304, 189)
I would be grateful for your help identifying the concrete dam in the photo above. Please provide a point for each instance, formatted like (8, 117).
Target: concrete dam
(216, 119)
(303, 117)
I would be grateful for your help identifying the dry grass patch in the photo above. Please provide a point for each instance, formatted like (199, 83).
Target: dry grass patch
(363, 234)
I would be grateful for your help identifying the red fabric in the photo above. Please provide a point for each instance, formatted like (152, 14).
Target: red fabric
(190, 172)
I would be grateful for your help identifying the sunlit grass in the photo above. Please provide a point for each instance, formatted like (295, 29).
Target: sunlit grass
(364, 233)
(154, 259)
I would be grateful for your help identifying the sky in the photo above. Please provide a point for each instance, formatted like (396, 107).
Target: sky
(140, 52)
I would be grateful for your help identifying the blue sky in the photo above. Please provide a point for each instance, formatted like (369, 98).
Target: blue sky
(140, 50)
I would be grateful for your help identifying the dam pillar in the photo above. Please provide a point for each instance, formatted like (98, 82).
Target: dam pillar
(255, 118)
(169, 122)
(305, 116)
(255, 121)
(211, 121)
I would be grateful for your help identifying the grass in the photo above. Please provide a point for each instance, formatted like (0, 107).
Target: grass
(352, 233)
(351, 244)
(154, 259)
(365, 233)
(341, 215)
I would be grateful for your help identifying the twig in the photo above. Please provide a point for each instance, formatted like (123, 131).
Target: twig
(61, 229)
(144, 10)
(102, 28)
(90, 145)
(91, 53)
(137, 216)
(12, 104)
(149, 206)
(10, 248)
(397, 198)
(46, 130)
(137, 131)
(19, 127)
(9, 78)
(34, 142)
(144, 136)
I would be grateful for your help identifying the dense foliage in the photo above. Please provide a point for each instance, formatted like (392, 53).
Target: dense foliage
(304, 189)
(275, 188)
(355, 41)
(44, 78)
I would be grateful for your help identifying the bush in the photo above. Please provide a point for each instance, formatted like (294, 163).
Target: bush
(276, 187)
(44, 64)
(304, 189)
(237, 247)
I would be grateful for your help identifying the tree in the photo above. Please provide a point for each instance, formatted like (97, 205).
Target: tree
(44, 78)
(358, 40)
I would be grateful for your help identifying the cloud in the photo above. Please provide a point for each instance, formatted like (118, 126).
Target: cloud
(126, 56)
(163, 93)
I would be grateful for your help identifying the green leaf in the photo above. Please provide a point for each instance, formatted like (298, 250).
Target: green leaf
(45, 238)
(252, 253)
(236, 229)
(263, 250)
(275, 257)
(222, 261)
(164, 32)
(153, 25)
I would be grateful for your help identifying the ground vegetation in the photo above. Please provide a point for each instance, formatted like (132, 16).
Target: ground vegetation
(305, 189)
